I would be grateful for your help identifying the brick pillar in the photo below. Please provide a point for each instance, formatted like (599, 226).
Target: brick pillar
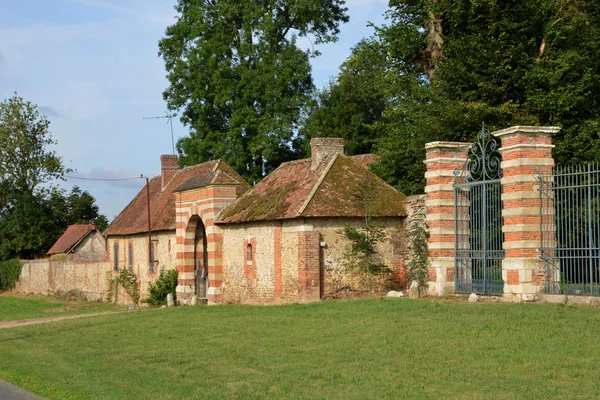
(442, 159)
(309, 266)
(526, 153)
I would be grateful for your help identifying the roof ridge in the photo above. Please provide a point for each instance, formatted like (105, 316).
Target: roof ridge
(321, 179)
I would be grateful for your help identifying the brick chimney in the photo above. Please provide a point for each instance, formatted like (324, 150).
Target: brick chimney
(321, 147)
(168, 168)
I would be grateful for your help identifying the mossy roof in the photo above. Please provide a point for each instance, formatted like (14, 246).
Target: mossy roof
(294, 190)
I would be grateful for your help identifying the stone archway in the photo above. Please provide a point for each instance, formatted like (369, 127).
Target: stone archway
(195, 257)
(194, 207)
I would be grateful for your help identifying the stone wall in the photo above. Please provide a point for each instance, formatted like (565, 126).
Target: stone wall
(302, 259)
(89, 272)
(48, 276)
(164, 254)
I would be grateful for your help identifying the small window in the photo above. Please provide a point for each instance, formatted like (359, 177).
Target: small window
(130, 257)
(116, 256)
(249, 253)
(152, 260)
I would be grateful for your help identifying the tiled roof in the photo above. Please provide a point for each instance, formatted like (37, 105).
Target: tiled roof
(365, 159)
(70, 238)
(134, 218)
(295, 190)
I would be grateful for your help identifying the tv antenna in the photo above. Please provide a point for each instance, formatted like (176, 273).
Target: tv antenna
(170, 121)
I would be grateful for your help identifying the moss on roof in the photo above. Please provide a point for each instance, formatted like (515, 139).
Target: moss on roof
(296, 190)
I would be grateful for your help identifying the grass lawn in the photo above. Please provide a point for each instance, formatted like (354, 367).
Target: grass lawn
(364, 349)
(27, 307)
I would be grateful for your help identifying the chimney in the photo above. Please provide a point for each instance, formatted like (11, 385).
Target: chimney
(168, 168)
(320, 147)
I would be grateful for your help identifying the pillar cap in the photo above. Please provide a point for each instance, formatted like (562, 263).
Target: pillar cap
(448, 145)
(526, 130)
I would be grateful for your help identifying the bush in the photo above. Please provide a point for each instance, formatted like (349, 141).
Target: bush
(165, 284)
(9, 273)
(128, 281)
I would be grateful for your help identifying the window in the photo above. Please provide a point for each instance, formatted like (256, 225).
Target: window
(116, 256)
(130, 257)
(249, 253)
(152, 260)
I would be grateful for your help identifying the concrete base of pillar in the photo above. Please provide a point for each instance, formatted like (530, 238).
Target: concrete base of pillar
(443, 270)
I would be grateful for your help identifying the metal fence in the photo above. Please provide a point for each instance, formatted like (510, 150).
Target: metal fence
(570, 230)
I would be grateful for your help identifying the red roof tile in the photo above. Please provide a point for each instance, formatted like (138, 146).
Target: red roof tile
(134, 218)
(70, 238)
(295, 190)
(365, 159)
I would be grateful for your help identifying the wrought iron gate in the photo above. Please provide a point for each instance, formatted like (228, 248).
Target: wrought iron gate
(478, 233)
(570, 230)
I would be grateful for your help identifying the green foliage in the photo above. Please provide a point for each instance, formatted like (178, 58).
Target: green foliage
(25, 160)
(361, 252)
(33, 215)
(159, 289)
(128, 281)
(417, 255)
(76, 207)
(239, 78)
(351, 105)
(31, 222)
(9, 274)
(439, 68)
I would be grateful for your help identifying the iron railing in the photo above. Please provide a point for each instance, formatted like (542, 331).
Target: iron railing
(570, 229)
(478, 237)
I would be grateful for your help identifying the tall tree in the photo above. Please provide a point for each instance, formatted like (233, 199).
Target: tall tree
(350, 105)
(239, 78)
(33, 214)
(503, 63)
(25, 158)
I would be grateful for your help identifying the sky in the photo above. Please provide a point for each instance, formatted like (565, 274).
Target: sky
(93, 69)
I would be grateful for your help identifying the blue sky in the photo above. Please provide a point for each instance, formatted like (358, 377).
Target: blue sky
(92, 67)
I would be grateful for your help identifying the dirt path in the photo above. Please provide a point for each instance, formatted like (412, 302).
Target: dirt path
(24, 322)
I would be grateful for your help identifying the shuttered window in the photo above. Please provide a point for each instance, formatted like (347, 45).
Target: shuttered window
(152, 260)
(116, 256)
(130, 257)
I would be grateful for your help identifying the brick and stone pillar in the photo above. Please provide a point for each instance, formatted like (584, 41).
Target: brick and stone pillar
(309, 265)
(442, 159)
(526, 154)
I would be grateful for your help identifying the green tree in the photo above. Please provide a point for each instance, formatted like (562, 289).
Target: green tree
(350, 105)
(458, 64)
(239, 78)
(33, 214)
(362, 255)
(25, 158)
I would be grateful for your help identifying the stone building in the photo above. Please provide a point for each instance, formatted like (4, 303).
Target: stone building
(277, 242)
(79, 239)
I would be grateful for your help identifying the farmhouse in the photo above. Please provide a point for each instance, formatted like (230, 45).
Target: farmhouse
(276, 242)
(81, 239)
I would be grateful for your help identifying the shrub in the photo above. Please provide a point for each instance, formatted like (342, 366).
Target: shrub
(159, 289)
(128, 281)
(9, 273)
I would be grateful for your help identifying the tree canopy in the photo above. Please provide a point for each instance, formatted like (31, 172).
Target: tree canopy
(25, 159)
(33, 213)
(442, 67)
(240, 79)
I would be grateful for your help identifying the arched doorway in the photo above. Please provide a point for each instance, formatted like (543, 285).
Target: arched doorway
(200, 254)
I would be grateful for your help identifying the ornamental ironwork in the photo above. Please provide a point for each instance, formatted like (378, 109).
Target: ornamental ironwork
(483, 160)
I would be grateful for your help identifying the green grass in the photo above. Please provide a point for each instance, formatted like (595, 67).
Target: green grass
(27, 307)
(366, 349)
